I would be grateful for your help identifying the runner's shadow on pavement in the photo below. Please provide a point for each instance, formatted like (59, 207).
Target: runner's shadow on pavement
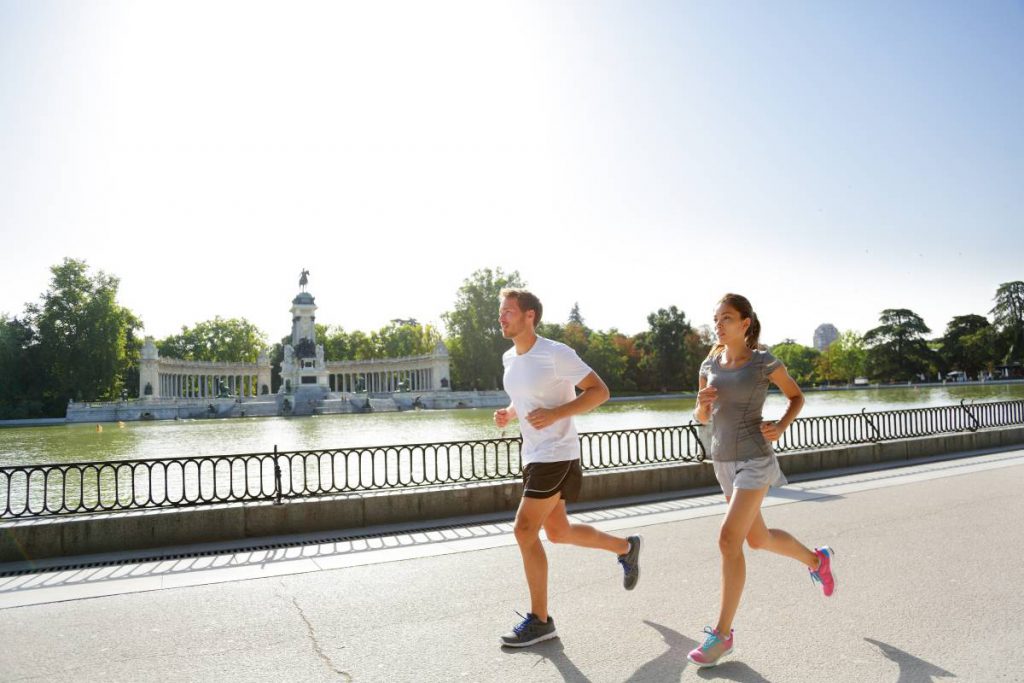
(731, 670)
(669, 665)
(912, 669)
(553, 651)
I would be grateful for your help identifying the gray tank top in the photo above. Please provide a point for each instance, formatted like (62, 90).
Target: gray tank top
(735, 426)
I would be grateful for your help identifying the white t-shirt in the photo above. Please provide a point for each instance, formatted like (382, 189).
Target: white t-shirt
(545, 377)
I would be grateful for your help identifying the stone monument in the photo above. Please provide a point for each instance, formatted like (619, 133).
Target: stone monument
(303, 369)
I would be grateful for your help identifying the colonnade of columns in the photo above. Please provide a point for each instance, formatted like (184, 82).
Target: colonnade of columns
(384, 381)
(188, 385)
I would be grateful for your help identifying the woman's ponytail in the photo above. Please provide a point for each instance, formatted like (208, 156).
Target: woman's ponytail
(753, 332)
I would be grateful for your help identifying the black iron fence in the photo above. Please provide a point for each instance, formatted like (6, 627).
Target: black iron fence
(84, 487)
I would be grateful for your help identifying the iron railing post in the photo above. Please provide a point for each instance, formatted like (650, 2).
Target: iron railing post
(970, 415)
(277, 478)
(695, 428)
(877, 435)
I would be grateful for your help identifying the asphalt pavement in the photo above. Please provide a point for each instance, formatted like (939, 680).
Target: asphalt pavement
(928, 567)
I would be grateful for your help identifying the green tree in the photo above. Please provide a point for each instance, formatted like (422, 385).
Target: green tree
(405, 338)
(335, 342)
(20, 395)
(552, 331)
(801, 361)
(698, 345)
(1008, 314)
(577, 336)
(629, 349)
(361, 346)
(664, 349)
(979, 350)
(232, 340)
(475, 344)
(84, 337)
(967, 356)
(606, 359)
(276, 359)
(897, 348)
(844, 360)
(575, 316)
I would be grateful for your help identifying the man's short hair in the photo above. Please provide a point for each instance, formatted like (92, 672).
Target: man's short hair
(526, 300)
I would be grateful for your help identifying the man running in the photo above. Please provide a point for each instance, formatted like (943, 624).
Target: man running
(540, 379)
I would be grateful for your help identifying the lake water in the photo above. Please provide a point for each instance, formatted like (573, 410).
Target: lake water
(143, 440)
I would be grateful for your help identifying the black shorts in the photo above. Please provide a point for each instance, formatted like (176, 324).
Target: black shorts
(545, 479)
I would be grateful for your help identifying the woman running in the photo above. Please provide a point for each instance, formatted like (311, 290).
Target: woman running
(733, 385)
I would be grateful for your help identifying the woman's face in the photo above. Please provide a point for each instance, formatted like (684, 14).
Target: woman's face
(730, 327)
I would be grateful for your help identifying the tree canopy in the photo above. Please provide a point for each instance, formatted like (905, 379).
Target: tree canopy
(897, 347)
(968, 344)
(844, 360)
(800, 361)
(475, 343)
(665, 348)
(231, 340)
(1008, 314)
(76, 343)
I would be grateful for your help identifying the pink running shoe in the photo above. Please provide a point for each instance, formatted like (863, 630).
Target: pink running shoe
(823, 574)
(714, 649)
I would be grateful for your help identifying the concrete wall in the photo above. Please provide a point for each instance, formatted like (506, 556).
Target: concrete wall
(170, 409)
(271, 405)
(99, 533)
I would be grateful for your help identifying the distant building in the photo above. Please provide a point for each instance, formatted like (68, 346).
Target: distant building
(825, 335)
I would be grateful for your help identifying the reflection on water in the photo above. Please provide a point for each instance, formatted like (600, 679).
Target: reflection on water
(141, 440)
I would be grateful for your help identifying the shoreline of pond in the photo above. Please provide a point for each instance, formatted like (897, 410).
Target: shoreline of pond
(670, 396)
(844, 387)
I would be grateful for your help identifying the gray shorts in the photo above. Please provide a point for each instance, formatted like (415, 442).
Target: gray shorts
(755, 473)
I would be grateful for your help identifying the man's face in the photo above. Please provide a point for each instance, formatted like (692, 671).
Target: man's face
(512, 319)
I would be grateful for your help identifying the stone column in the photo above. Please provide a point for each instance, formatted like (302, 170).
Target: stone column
(149, 369)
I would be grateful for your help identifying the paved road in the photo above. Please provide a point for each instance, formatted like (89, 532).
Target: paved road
(929, 589)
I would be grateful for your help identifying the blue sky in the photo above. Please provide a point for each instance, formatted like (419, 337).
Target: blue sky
(827, 160)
